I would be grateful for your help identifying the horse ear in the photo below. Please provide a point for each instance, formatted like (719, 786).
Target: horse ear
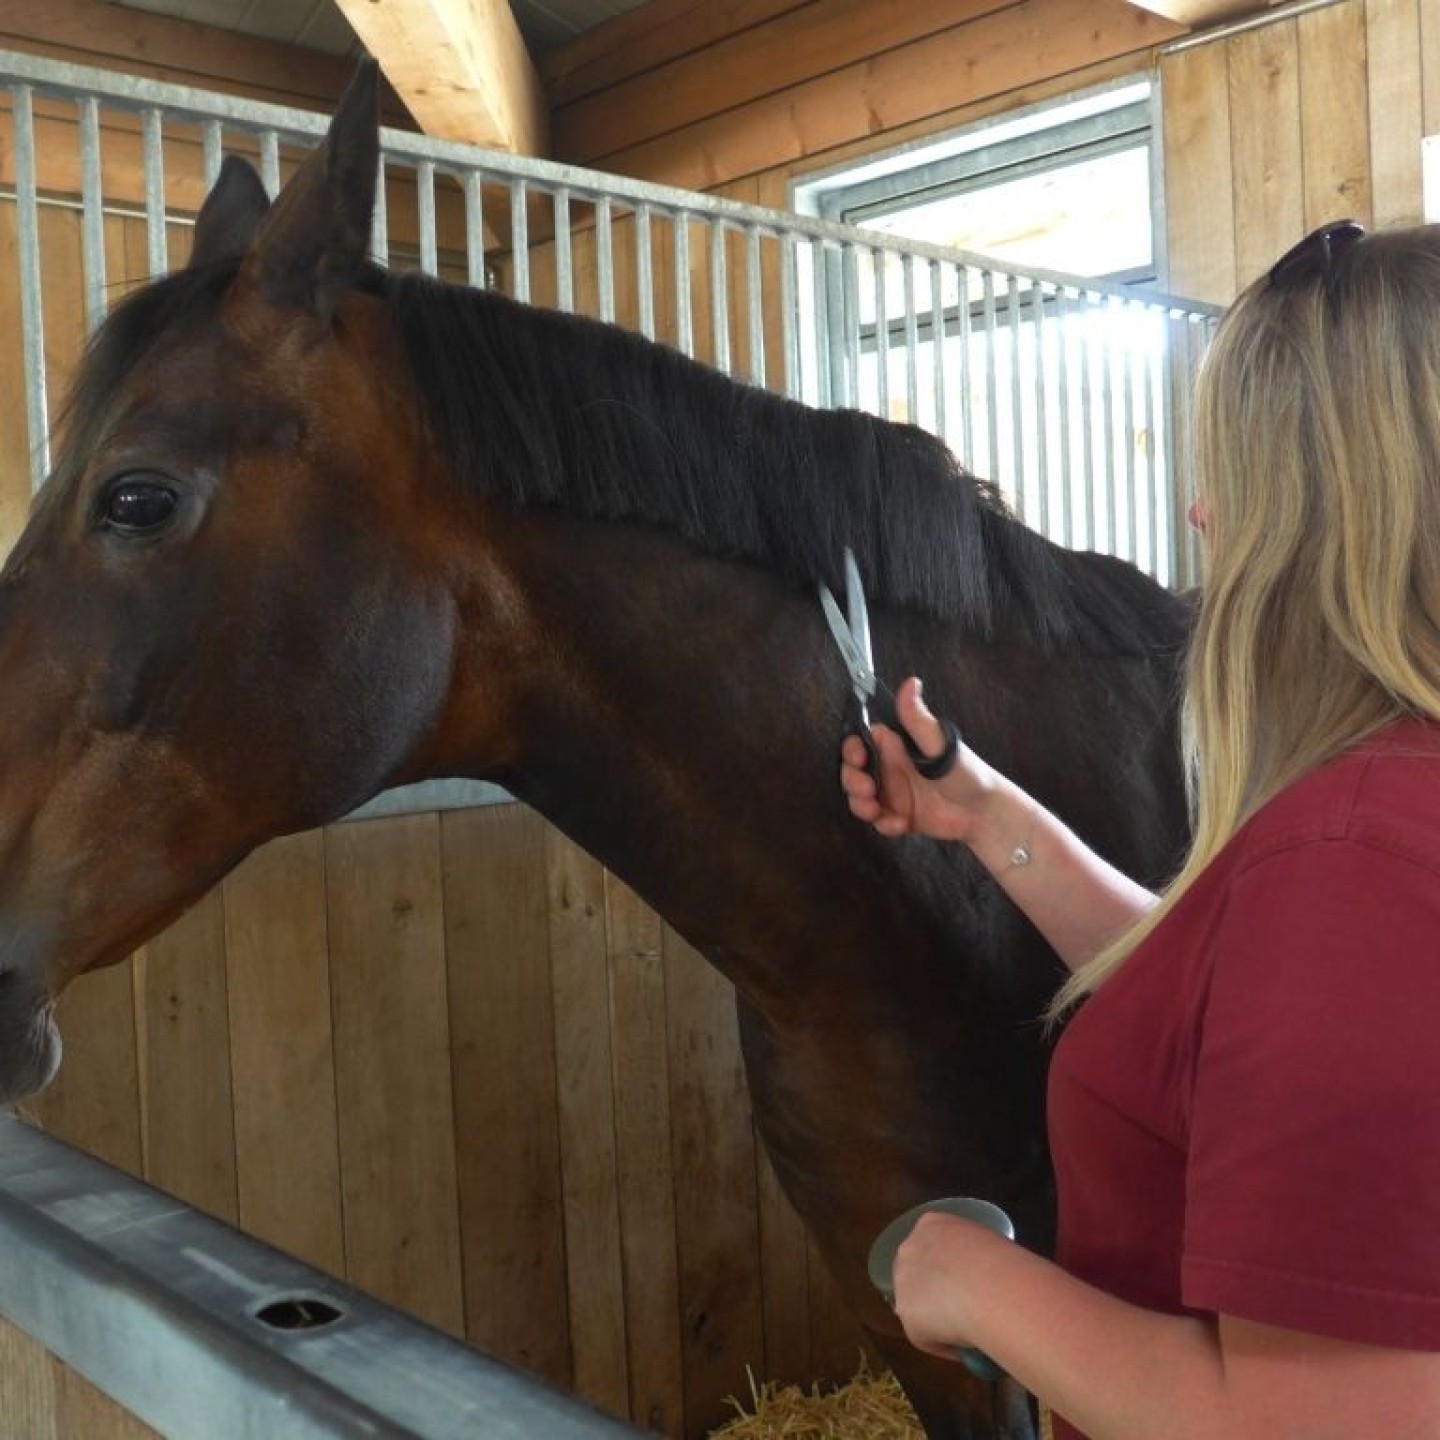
(231, 214)
(315, 238)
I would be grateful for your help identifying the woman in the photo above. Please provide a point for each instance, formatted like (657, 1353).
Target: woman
(1245, 1111)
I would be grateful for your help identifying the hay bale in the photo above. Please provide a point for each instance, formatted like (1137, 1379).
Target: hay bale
(870, 1407)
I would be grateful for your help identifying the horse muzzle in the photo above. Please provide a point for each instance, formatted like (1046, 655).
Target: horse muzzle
(29, 1042)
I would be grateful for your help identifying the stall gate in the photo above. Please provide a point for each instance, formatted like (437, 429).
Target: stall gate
(618, 1277)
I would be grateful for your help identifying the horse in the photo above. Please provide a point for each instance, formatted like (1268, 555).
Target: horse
(316, 528)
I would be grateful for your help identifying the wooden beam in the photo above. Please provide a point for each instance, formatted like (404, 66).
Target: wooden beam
(1203, 12)
(461, 68)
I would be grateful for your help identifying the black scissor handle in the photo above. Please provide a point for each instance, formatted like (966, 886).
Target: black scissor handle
(928, 767)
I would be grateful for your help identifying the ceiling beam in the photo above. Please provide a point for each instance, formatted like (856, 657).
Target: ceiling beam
(1202, 12)
(461, 68)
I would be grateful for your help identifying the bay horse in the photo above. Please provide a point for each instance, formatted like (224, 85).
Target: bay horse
(316, 529)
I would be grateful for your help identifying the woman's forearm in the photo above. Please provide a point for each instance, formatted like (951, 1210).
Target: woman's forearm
(1077, 901)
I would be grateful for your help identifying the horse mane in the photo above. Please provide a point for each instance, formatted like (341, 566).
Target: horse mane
(540, 408)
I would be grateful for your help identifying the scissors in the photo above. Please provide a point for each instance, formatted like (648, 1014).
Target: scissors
(852, 634)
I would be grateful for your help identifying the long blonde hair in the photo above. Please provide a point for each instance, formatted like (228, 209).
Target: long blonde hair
(1317, 454)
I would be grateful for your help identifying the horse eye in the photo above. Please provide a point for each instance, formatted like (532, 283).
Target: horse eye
(137, 506)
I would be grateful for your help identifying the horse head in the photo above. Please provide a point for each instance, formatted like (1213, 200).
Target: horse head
(165, 637)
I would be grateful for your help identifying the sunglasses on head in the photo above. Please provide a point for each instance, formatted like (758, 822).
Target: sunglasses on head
(1318, 256)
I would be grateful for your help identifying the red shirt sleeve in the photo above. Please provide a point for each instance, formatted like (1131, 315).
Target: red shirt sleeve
(1313, 1186)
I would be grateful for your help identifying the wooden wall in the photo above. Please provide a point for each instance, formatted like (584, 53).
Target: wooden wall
(1272, 133)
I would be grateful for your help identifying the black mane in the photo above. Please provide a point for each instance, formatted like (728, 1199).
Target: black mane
(542, 408)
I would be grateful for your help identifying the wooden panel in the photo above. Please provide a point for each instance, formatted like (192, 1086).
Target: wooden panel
(83, 1412)
(392, 1065)
(1198, 179)
(1027, 42)
(282, 1051)
(1430, 68)
(1264, 102)
(784, 1266)
(648, 36)
(1334, 140)
(743, 67)
(584, 1060)
(1393, 46)
(643, 1151)
(188, 1117)
(27, 1386)
(716, 1207)
(502, 1053)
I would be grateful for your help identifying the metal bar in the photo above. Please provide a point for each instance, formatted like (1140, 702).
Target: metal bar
(92, 207)
(1107, 409)
(1062, 386)
(938, 348)
(32, 312)
(156, 244)
(519, 240)
(270, 160)
(912, 344)
(1049, 501)
(1157, 497)
(882, 332)
(684, 321)
(992, 399)
(790, 314)
(1017, 417)
(1087, 421)
(605, 257)
(1216, 33)
(564, 256)
(755, 305)
(425, 213)
(380, 220)
(200, 1330)
(644, 273)
(719, 301)
(850, 302)
(1127, 434)
(965, 332)
(212, 151)
(472, 185)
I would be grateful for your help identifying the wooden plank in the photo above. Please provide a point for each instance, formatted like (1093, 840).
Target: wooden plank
(1199, 194)
(27, 1386)
(716, 1207)
(1393, 65)
(85, 1412)
(647, 36)
(586, 1107)
(392, 1066)
(188, 1116)
(1264, 90)
(502, 1040)
(643, 1151)
(1430, 68)
(1333, 140)
(737, 69)
(461, 68)
(785, 1281)
(282, 1053)
(836, 1342)
(1030, 42)
(90, 32)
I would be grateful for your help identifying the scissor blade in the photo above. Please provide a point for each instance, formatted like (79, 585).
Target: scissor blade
(862, 678)
(859, 614)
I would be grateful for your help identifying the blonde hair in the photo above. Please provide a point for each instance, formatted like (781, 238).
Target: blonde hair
(1317, 453)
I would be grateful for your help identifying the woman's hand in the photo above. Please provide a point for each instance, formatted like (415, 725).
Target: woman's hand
(937, 1280)
(902, 803)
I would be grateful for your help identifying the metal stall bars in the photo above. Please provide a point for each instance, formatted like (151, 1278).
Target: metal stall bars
(1070, 393)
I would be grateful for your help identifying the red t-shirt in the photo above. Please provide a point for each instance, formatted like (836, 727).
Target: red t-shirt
(1245, 1118)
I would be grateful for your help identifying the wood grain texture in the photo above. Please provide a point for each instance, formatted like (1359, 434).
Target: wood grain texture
(502, 1057)
(1395, 104)
(392, 1065)
(1334, 128)
(283, 1051)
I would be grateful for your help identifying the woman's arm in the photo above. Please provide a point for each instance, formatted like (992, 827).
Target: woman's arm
(1120, 1372)
(1073, 897)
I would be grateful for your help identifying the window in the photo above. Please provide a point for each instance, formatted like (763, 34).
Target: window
(1056, 390)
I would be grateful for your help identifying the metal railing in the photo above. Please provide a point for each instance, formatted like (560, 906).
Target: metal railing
(200, 1330)
(1070, 394)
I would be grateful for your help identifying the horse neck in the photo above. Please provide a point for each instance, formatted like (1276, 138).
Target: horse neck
(676, 715)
